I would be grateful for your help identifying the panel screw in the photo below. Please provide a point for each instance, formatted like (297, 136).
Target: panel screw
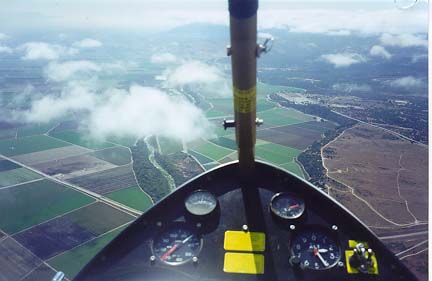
(245, 227)
(195, 259)
(334, 227)
(198, 225)
(159, 223)
(292, 227)
(152, 258)
(340, 264)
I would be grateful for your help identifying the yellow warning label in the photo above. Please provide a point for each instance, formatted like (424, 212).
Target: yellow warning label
(352, 243)
(244, 100)
(353, 270)
(244, 263)
(244, 241)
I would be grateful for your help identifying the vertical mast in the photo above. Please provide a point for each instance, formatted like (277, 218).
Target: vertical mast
(243, 51)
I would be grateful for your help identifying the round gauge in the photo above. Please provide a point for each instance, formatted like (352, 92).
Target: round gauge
(315, 250)
(287, 206)
(200, 203)
(177, 245)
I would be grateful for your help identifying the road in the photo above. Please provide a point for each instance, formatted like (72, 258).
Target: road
(94, 195)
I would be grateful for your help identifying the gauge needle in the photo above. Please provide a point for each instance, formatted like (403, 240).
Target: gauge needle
(292, 207)
(317, 254)
(175, 247)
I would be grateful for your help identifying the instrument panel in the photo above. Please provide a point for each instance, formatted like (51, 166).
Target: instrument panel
(272, 227)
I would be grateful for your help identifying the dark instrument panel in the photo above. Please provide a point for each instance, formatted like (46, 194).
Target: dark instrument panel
(274, 226)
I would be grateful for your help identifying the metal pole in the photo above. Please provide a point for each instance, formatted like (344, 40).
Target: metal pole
(243, 51)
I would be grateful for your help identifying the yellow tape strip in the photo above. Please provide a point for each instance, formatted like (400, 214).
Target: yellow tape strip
(244, 100)
(244, 263)
(244, 241)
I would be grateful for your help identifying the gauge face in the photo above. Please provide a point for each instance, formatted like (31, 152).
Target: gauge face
(176, 245)
(315, 249)
(287, 206)
(200, 203)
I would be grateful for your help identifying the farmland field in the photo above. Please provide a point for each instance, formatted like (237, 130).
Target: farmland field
(225, 142)
(117, 155)
(41, 273)
(201, 158)
(107, 181)
(213, 151)
(15, 260)
(317, 126)
(71, 262)
(81, 164)
(37, 129)
(66, 232)
(292, 136)
(17, 176)
(12, 147)
(293, 168)
(6, 165)
(80, 139)
(282, 117)
(36, 202)
(275, 153)
(50, 154)
(132, 197)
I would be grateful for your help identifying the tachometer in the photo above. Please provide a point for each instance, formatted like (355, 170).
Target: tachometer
(201, 203)
(287, 206)
(314, 249)
(176, 245)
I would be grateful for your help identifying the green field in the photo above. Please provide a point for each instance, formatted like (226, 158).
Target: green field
(215, 113)
(275, 153)
(71, 262)
(225, 105)
(99, 218)
(213, 151)
(210, 166)
(81, 139)
(35, 129)
(201, 158)
(169, 146)
(282, 117)
(12, 147)
(117, 155)
(293, 168)
(267, 89)
(225, 142)
(17, 176)
(29, 204)
(125, 141)
(132, 197)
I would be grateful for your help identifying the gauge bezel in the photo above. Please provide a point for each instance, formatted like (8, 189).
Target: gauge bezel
(198, 191)
(272, 209)
(171, 226)
(328, 232)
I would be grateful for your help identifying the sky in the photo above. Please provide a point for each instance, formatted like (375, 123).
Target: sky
(151, 15)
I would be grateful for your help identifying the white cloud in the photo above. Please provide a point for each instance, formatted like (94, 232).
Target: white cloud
(379, 51)
(403, 40)
(352, 87)
(5, 49)
(74, 97)
(419, 57)
(138, 112)
(73, 69)
(3, 36)
(407, 82)
(341, 32)
(207, 79)
(143, 111)
(45, 51)
(343, 59)
(163, 58)
(88, 43)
